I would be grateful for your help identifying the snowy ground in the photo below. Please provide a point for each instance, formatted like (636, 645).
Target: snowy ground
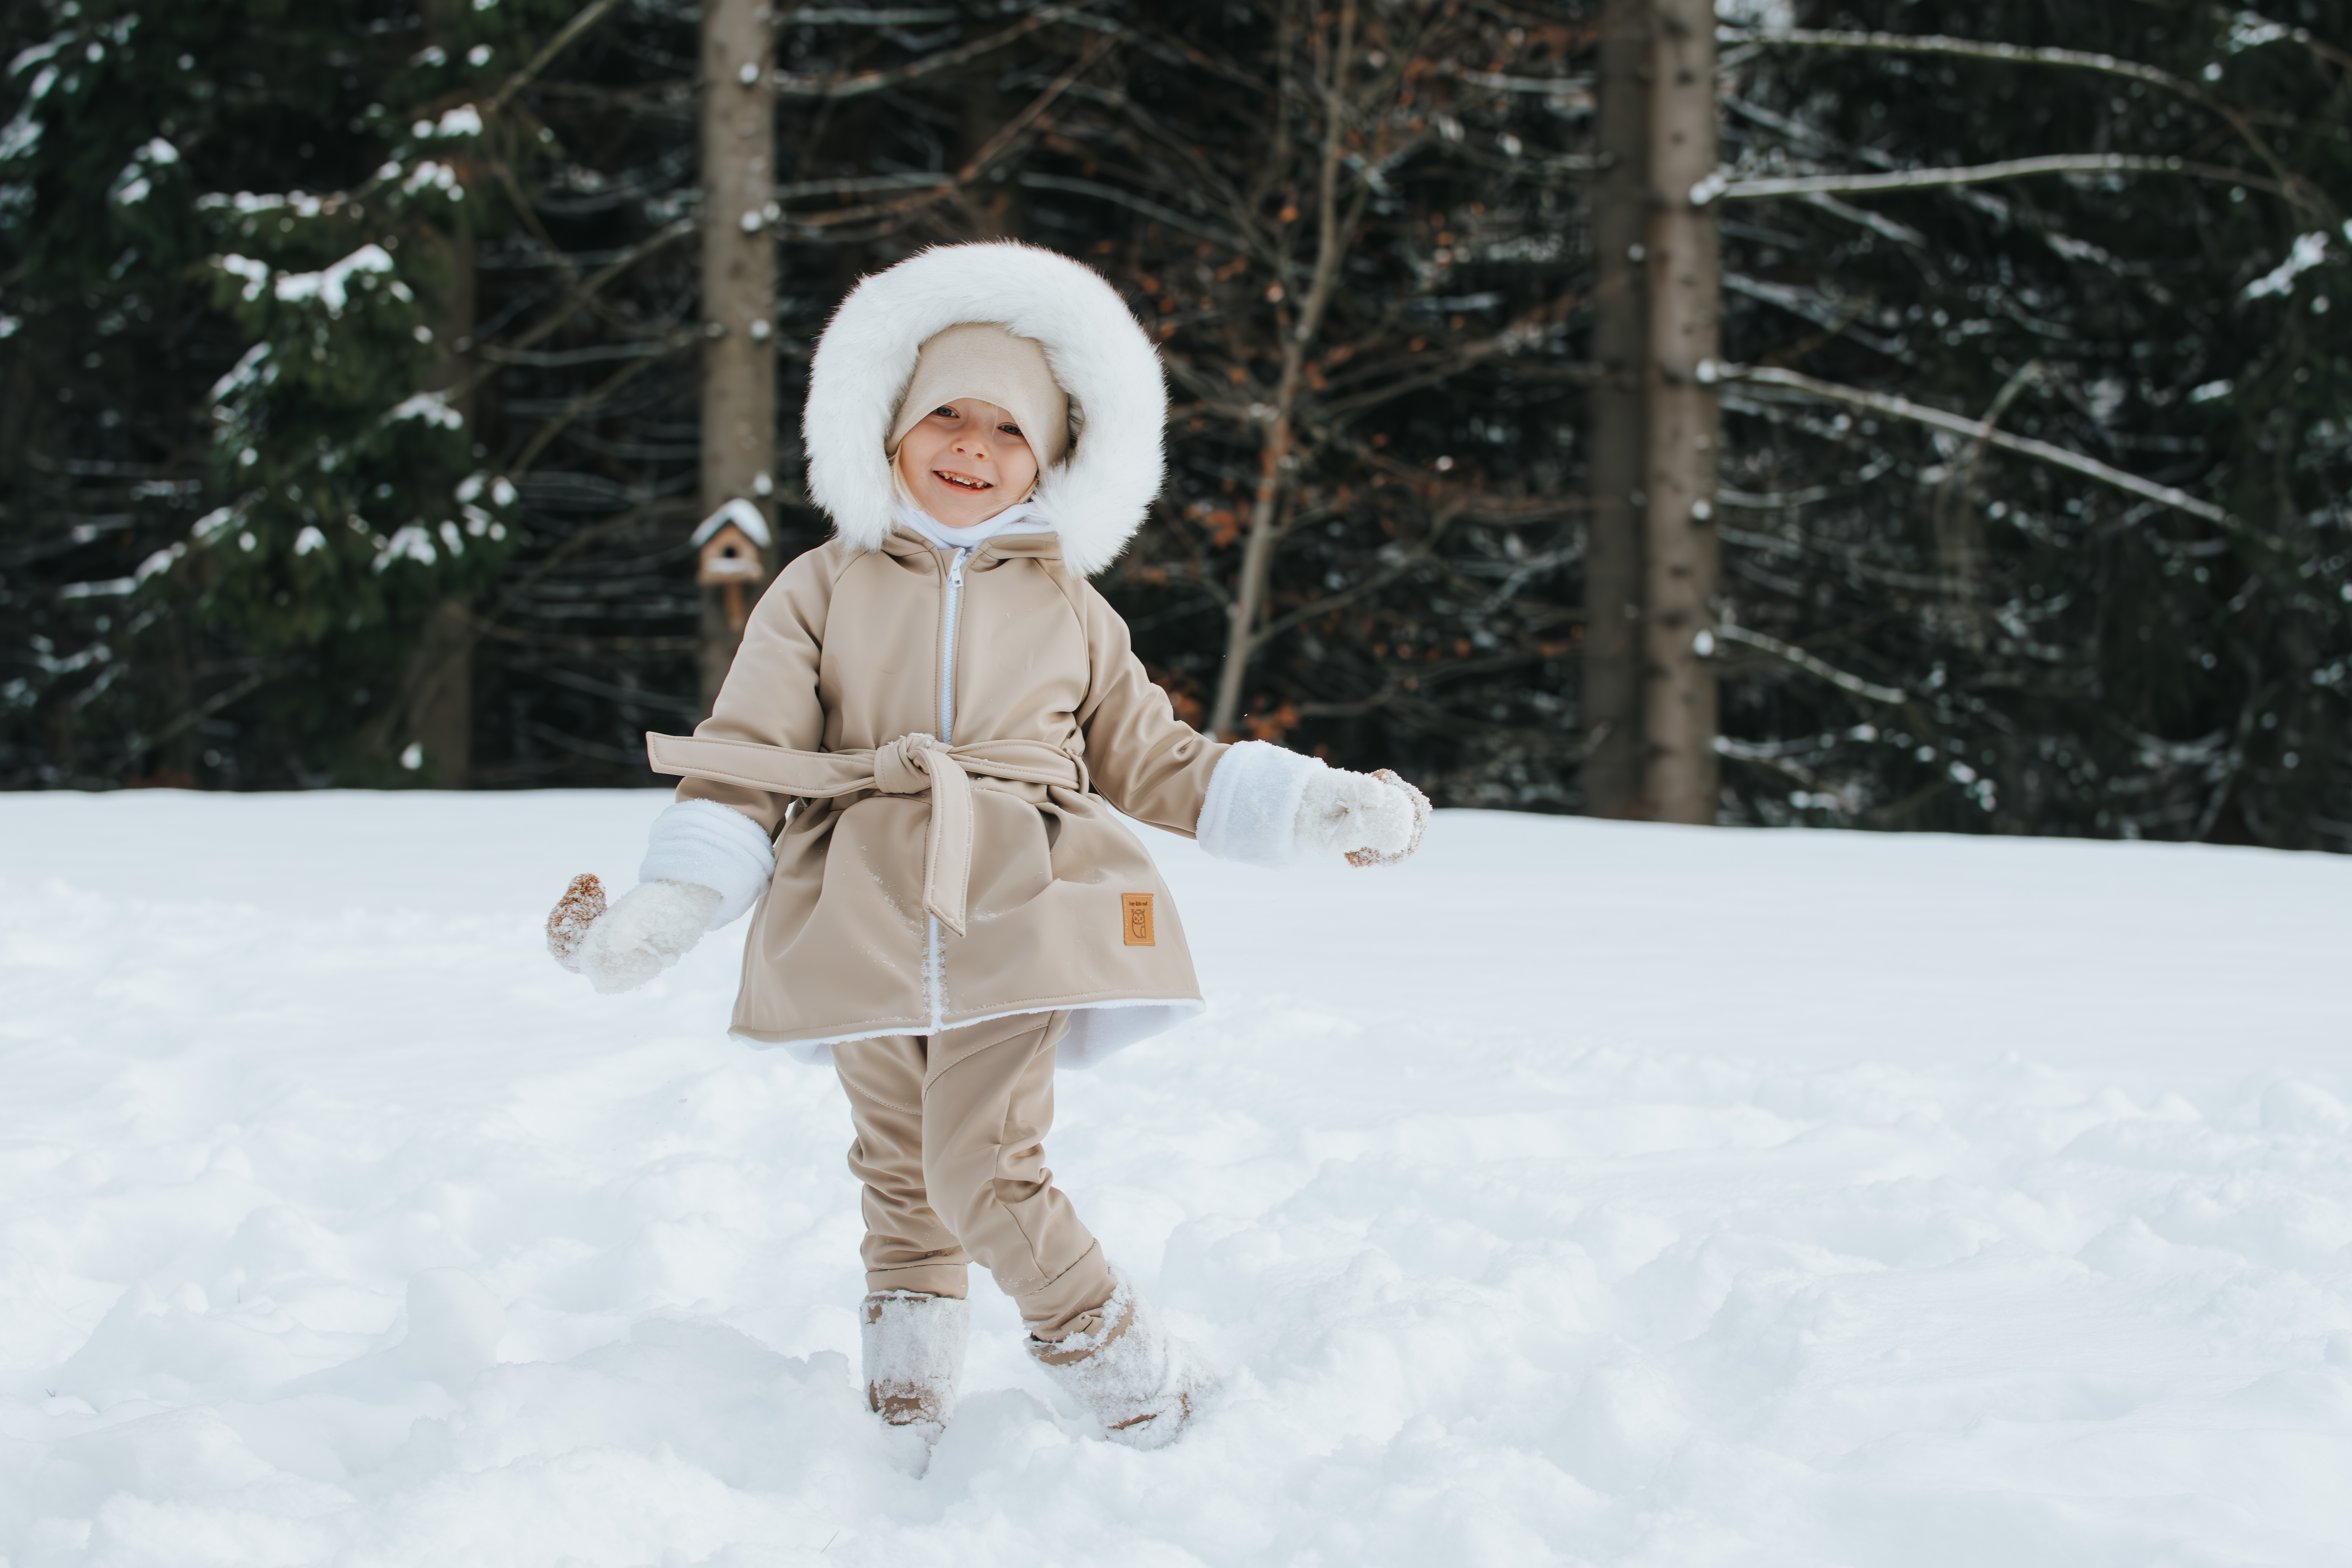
(1577, 1193)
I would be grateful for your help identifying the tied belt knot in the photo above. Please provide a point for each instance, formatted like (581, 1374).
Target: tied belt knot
(910, 766)
(904, 766)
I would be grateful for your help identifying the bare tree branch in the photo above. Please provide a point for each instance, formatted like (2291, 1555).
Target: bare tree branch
(1718, 188)
(789, 85)
(1976, 430)
(2298, 190)
(1134, 202)
(582, 296)
(141, 743)
(1788, 653)
(1006, 137)
(586, 17)
(595, 395)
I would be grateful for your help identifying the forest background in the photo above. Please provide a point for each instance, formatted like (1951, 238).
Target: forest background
(358, 366)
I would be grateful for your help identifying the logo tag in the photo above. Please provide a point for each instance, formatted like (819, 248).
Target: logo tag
(1135, 909)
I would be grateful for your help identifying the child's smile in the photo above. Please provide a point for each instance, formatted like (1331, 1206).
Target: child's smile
(966, 461)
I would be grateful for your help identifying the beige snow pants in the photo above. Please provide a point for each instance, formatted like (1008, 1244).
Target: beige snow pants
(951, 1148)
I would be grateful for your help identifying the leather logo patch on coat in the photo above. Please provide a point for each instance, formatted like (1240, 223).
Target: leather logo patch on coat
(1135, 909)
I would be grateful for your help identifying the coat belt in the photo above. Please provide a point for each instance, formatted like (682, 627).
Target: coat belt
(911, 764)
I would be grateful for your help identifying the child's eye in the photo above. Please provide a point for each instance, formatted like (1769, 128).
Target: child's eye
(1010, 429)
(945, 410)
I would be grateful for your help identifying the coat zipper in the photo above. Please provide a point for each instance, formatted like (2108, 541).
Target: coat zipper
(947, 650)
(935, 963)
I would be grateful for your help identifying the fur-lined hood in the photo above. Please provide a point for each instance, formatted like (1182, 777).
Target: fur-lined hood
(1098, 497)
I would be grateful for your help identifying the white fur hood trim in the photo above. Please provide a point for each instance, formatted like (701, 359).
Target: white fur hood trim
(1097, 499)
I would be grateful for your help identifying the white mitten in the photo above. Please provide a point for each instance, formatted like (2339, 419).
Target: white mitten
(1374, 818)
(650, 928)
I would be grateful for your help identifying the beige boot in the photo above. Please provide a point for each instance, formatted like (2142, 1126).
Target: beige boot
(914, 1346)
(1127, 1373)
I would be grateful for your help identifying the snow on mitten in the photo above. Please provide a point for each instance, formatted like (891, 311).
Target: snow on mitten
(650, 928)
(1373, 818)
(567, 924)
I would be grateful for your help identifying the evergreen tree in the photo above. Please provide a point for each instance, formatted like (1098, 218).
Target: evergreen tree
(224, 230)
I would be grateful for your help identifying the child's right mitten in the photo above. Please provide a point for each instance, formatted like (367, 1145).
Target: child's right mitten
(705, 865)
(652, 926)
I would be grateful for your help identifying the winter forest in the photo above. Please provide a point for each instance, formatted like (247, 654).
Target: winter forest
(368, 371)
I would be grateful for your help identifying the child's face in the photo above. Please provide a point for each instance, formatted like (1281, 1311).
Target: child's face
(966, 461)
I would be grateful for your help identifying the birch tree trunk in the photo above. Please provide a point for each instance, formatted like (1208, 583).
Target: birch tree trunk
(739, 286)
(1678, 710)
(1614, 454)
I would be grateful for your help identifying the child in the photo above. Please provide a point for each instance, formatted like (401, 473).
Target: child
(905, 761)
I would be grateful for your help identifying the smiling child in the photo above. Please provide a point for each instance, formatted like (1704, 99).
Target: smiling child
(912, 769)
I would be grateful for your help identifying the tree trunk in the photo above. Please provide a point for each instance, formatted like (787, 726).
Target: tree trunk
(1678, 710)
(436, 711)
(441, 695)
(994, 207)
(1614, 456)
(439, 688)
(739, 287)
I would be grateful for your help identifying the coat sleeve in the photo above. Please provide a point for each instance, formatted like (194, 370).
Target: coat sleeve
(770, 692)
(1145, 761)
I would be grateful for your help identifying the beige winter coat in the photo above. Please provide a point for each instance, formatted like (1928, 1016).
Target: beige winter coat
(1020, 666)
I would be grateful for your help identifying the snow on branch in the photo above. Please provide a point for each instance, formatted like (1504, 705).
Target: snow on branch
(1723, 188)
(1790, 653)
(1975, 430)
(2310, 250)
(1967, 48)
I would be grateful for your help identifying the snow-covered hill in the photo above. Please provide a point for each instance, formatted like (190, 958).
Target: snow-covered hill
(1576, 1193)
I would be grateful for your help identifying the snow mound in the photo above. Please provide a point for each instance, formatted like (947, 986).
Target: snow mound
(1575, 1194)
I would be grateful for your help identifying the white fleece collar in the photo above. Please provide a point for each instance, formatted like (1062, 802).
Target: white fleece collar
(1018, 518)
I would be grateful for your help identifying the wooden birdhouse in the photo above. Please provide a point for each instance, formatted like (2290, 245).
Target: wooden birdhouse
(730, 542)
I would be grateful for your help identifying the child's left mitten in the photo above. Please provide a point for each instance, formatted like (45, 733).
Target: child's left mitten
(1375, 819)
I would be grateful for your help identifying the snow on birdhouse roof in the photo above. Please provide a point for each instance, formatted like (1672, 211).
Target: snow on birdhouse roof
(743, 515)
